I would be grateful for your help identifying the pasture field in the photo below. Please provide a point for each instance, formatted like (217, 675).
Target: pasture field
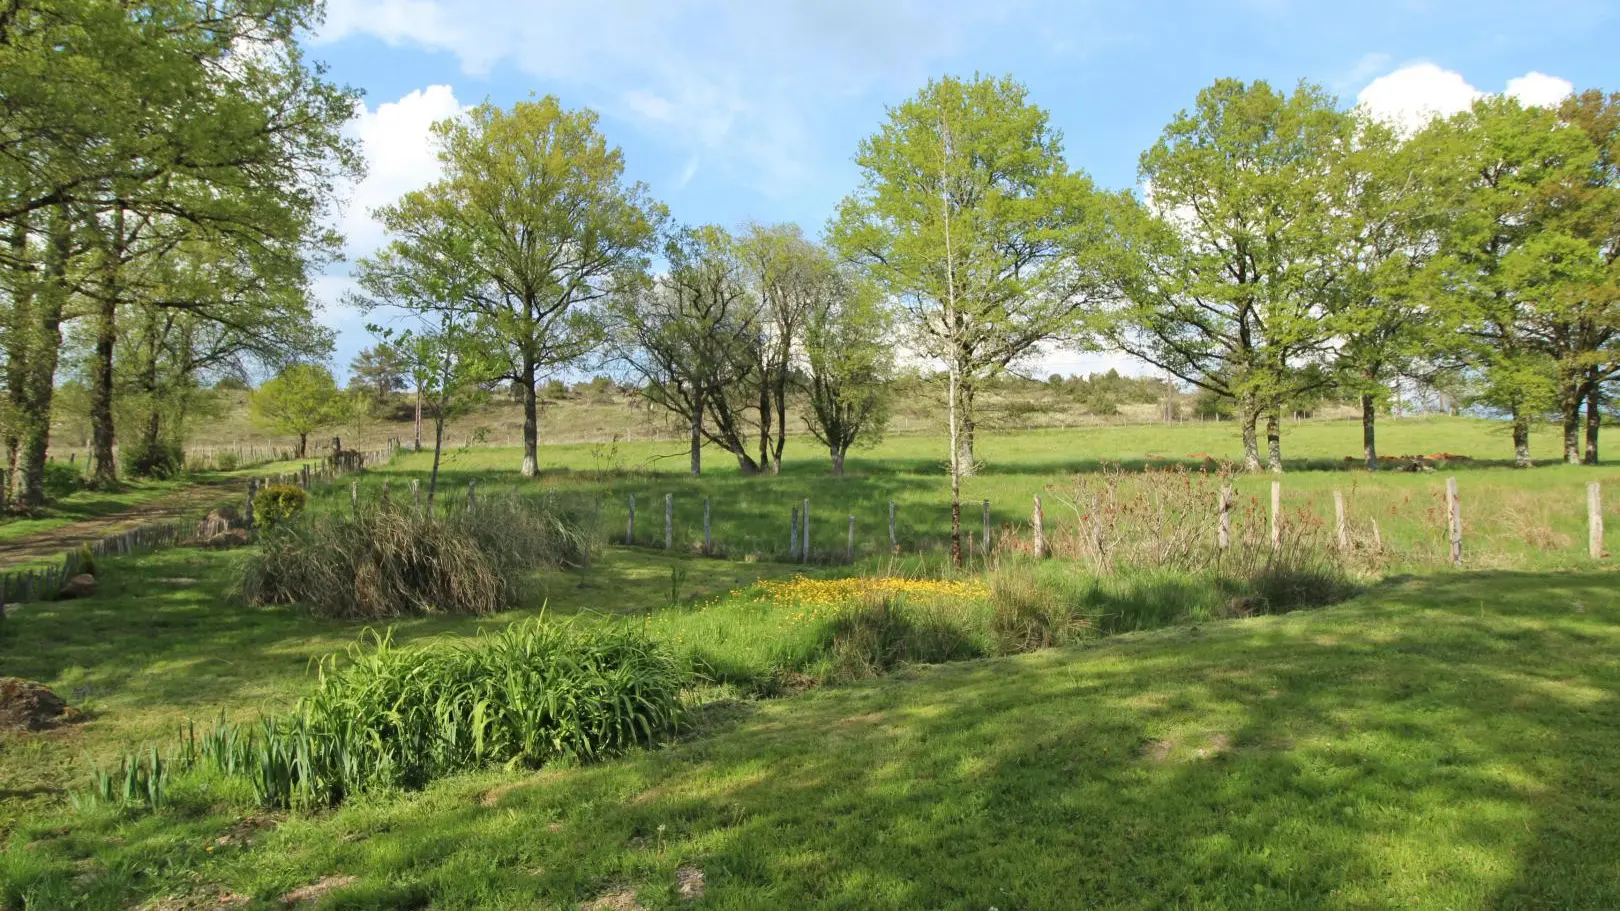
(1439, 740)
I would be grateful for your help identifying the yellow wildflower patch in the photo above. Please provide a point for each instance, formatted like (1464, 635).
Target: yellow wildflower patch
(812, 592)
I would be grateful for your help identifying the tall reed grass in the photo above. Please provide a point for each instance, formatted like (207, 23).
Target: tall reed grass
(382, 560)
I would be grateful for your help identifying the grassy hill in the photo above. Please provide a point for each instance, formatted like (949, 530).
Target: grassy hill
(1441, 742)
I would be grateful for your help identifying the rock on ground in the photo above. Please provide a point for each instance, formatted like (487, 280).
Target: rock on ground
(81, 586)
(29, 706)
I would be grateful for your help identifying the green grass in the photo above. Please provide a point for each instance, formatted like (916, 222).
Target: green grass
(1442, 742)
(1512, 518)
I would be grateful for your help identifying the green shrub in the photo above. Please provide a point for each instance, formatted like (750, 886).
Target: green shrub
(62, 479)
(390, 561)
(278, 504)
(1028, 614)
(883, 632)
(401, 717)
(225, 461)
(159, 459)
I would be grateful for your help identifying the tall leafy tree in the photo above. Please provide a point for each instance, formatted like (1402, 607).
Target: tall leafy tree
(146, 121)
(379, 371)
(1508, 259)
(300, 400)
(692, 337)
(969, 217)
(1388, 217)
(849, 366)
(537, 204)
(1226, 266)
(791, 275)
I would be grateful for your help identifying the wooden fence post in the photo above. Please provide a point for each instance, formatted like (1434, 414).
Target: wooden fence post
(384, 496)
(1037, 521)
(849, 548)
(1454, 520)
(416, 492)
(1338, 520)
(1276, 515)
(1594, 520)
(470, 496)
(1223, 524)
(354, 497)
(985, 546)
(253, 488)
(793, 532)
(708, 540)
(894, 539)
(630, 522)
(804, 535)
(669, 521)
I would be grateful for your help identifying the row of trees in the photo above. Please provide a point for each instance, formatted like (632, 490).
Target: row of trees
(1282, 249)
(165, 171)
(532, 254)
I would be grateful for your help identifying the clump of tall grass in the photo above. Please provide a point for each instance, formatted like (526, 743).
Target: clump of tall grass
(392, 716)
(391, 560)
(882, 631)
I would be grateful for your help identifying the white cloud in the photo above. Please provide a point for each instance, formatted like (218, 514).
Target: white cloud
(400, 157)
(1539, 89)
(1417, 93)
(744, 85)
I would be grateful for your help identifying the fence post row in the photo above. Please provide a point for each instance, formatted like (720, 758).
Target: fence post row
(984, 547)
(669, 521)
(1340, 526)
(1223, 526)
(1037, 521)
(1454, 520)
(1594, 520)
(793, 532)
(1276, 515)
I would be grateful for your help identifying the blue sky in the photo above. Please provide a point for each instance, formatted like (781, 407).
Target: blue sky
(733, 110)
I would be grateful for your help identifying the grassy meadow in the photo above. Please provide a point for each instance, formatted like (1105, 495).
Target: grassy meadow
(1438, 740)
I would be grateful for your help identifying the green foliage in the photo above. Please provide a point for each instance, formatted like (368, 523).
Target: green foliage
(160, 459)
(300, 400)
(277, 504)
(138, 779)
(389, 561)
(390, 717)
(62, 479)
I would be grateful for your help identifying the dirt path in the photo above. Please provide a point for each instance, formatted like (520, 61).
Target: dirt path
(180, 504)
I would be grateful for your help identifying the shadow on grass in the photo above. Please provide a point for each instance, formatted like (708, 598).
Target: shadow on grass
(1444, 742)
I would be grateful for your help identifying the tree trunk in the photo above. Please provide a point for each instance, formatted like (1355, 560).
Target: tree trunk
(965, 464)
(1569, 408)
(102, 433)
(416, 427)
(531, 422)
(438, 447)
(697, 440)
(1369, 442)
(765, 420)
(838, 461)
(104, 472)
(303, 443)
(1274, 440)
(781, 423)
(44, 345)
(955, 465)
(1521, 436)
(1594, 417)
(1249, 414)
